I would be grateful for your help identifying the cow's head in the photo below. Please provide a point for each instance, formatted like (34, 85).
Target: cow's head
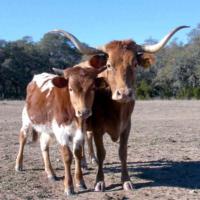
(81, 83)
(124, 56)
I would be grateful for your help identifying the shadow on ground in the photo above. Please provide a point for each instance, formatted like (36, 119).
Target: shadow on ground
(161, 173)
(155, 173)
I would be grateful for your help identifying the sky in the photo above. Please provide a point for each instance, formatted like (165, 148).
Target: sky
(97, 22)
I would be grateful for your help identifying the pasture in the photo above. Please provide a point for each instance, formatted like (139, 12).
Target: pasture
(163, 156)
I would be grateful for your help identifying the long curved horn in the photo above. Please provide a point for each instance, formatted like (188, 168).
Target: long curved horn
(102, 48)
(156, 47)
(58, 71)
(83, 48)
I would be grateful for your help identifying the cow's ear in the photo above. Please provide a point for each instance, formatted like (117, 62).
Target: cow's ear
(67, 72)
(98, 61)
(146, 59)
(59, 82)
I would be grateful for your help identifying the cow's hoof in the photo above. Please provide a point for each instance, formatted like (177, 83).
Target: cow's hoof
(18, 168)
(100, 186)
(52, 177)
(128, 186)
(81, 187)
(69, 192)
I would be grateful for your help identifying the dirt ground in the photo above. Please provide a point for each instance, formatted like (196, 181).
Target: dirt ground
(163, 160)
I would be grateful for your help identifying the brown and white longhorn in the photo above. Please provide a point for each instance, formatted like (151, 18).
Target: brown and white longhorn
(59, 106)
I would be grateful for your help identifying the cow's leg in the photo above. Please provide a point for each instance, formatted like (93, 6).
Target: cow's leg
(92, 156)
(44, 144)
(67, 160)
(22, 142)
(127, 184)
(26, 127)
(101, 153)
(80, 183)
(84, 160)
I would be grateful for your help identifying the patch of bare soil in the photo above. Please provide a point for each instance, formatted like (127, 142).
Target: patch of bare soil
(163, 159)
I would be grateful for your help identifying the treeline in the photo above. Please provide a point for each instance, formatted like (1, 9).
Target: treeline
(176, 73)
(21, 59)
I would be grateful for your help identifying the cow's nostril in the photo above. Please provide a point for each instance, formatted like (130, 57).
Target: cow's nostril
(83, 113)
(118, 93)
(86, 112)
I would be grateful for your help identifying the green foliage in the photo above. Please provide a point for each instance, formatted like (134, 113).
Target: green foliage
(143, 90)
(196, 92)
(176, 73)
(188, 93)
(20, 60)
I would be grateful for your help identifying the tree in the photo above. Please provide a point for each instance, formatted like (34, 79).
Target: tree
(21, 59)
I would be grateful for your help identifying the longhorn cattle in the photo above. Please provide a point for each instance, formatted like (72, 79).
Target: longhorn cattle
(60, 106)
(114, 104)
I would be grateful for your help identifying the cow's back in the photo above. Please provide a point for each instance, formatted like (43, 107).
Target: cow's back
(45, 102)
(40, 98)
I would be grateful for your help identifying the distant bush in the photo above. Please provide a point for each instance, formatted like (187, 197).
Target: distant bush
(188, 93)
(143, 90)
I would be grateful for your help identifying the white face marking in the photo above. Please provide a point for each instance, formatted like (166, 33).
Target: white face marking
(43, 81)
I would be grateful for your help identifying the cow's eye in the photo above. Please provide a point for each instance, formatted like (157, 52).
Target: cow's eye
(70, 89)
(109, 67)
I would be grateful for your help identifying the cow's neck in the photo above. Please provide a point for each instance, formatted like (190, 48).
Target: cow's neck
(124, 110)
(124, 107)
(119, 120)
(63, 109)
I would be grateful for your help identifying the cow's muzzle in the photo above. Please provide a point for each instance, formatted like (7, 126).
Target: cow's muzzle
(124, 95)
(85, 113)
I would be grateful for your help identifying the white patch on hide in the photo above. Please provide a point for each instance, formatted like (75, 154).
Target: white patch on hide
(78, 139)
(44, 141)
(64, 133)
(25, 121)
(44, 82)
(43, 128)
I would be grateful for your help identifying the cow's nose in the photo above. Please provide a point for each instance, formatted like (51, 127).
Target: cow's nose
(86, 112)
(79, 113)
(124, 94)
(119, 94)
(83, 113)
